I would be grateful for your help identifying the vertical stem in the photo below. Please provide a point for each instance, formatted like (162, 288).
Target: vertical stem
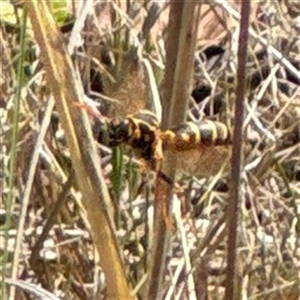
(9, 203)
(232, 288)
(180, 48)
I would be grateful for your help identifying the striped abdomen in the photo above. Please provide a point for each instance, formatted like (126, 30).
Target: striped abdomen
(192, 135)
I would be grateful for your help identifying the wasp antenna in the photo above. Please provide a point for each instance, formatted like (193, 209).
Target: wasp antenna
(88, 109)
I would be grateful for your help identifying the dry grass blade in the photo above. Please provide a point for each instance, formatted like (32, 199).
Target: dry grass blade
(27, 191)
(180, 47)
(186, 249)
(79, 23)
(62, 81)
(32, 289)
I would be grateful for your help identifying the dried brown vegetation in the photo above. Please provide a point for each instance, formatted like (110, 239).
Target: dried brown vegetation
(119, 62)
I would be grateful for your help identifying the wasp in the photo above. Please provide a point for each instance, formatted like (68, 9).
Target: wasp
(190, 141)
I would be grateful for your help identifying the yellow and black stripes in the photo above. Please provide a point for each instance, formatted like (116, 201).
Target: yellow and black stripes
(193, 135)
(141, 131)
(137, 130)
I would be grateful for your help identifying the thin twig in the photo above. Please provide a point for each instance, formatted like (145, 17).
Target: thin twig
(232, 288)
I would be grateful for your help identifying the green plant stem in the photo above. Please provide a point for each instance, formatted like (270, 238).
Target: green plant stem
(9, 203)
